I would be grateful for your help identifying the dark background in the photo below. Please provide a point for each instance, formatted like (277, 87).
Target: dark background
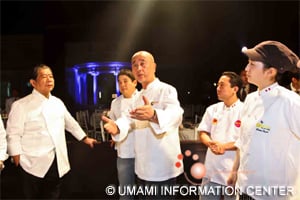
(193, 41)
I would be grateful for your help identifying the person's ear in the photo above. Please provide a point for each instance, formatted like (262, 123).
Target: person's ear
(235, 89)
(273, 71)
(294, 80)
(32, 82)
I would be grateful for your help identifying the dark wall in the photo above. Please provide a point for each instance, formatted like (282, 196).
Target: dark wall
(192, 41)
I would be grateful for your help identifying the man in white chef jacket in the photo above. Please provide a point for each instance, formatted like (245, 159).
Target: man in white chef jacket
(156, 119)
(36, 137)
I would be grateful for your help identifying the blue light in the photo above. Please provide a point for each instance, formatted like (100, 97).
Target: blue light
(85, 81)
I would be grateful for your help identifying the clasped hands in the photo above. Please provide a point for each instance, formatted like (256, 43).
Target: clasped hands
(145, 112)
(216, 147)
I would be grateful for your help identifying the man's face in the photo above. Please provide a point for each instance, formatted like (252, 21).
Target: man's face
(143, 68)
(224, 89)
(44, 82)
(126, 85)
(296, 83)
(244, 78)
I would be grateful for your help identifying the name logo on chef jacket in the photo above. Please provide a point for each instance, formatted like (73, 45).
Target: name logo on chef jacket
(263, 128)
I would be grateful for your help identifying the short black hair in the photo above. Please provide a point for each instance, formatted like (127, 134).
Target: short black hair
(295, 74)
(235, 80)
(36, 69)
(126, 72)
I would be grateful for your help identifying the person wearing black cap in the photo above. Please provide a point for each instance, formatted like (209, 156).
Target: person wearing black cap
(267, 164)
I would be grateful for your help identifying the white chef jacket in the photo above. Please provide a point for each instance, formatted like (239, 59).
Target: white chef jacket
(223, 124)
(3, 143)
(157, 146)
(36, 131)
(270, 141)
(119, 106)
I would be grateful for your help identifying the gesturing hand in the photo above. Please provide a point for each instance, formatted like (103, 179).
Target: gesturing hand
(144, 112)
(110, 126)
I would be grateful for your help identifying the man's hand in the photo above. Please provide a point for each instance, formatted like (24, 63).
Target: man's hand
(1, 165)
(110, 126)
(90, 141)
(232, 179)
(216, 147)
(111, 143)
(16, 160)
(145, 112)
